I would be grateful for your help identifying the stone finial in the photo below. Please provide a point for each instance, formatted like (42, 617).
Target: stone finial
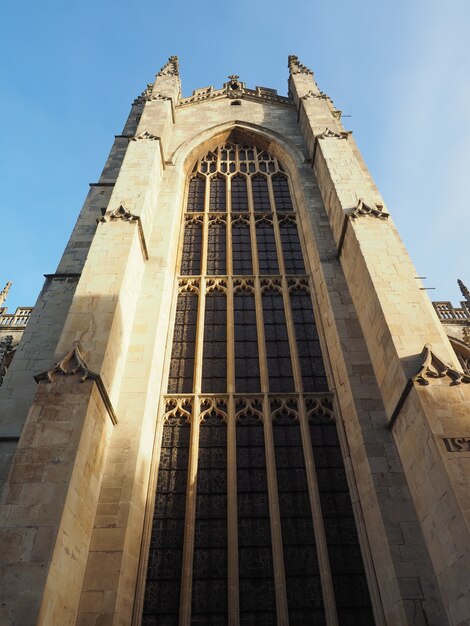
(171, 68)
(4, 292)
(465, 291)
(434, 367)
(296, 67)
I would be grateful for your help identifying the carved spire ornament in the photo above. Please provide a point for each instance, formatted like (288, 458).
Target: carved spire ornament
(296, 67)
(333, 134)
(73, 363)
(4, 292)
(435, 367)
(6, 354)
(145, 134)
(171, 68)
(121, 213)
(362, 208)
(465, 291)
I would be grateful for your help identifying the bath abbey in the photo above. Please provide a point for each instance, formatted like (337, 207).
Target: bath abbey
(233, 402)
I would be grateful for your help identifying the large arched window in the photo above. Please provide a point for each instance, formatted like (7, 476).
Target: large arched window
(253, 518)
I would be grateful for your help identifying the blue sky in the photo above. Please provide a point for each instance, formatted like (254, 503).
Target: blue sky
(70, 71)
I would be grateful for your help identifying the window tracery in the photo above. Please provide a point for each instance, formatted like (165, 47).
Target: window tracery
(247, 380)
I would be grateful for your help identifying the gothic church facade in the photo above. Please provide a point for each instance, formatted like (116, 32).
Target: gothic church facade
(233, 402)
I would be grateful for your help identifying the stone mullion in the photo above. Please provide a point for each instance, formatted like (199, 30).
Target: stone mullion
(317, 517)
(190, 518)
(232, 520)
(274, 513)
(275, 517)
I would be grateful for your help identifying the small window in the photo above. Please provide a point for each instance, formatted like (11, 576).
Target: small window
(236, 103)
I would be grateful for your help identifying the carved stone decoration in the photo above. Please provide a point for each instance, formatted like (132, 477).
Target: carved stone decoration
(236, 92)
(296, 67)
(462, 349)
(463, 288)
(4, 292)
(145, 95)
(435, 367)
(234, 88)
(457, 444)
(144, 135)
(330, 134)
(121, 213)
(7, 352)
(171, 67)
(466, 335)
(73, 363)
(362, 208)
(312, 94)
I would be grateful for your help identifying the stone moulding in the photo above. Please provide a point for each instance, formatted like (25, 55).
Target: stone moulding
(121, 213)
(432, 366)
(296, 67)
(73, 363)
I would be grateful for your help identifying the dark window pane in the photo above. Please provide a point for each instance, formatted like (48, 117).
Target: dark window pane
(246, 343)
(303, 584)
(266, 243)
(308, 344)
(214, 361)
(281, 192)
(196, 193)
(291, 250)
(347, 570)
(257, 599)
(217, 198)
(241, 248)
(277, 343)
(180, 379)
(216, 248)
(191, 258)
(259, 185)
(239, 195)
(210, 593)
(162, 592)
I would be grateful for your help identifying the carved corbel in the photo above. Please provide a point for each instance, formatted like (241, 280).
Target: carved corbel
(73, 363)
(434, 367)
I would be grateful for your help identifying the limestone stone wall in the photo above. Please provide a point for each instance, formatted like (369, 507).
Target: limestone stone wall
(77, 504)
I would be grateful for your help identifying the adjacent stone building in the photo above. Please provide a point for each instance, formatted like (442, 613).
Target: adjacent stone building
(233, 403)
